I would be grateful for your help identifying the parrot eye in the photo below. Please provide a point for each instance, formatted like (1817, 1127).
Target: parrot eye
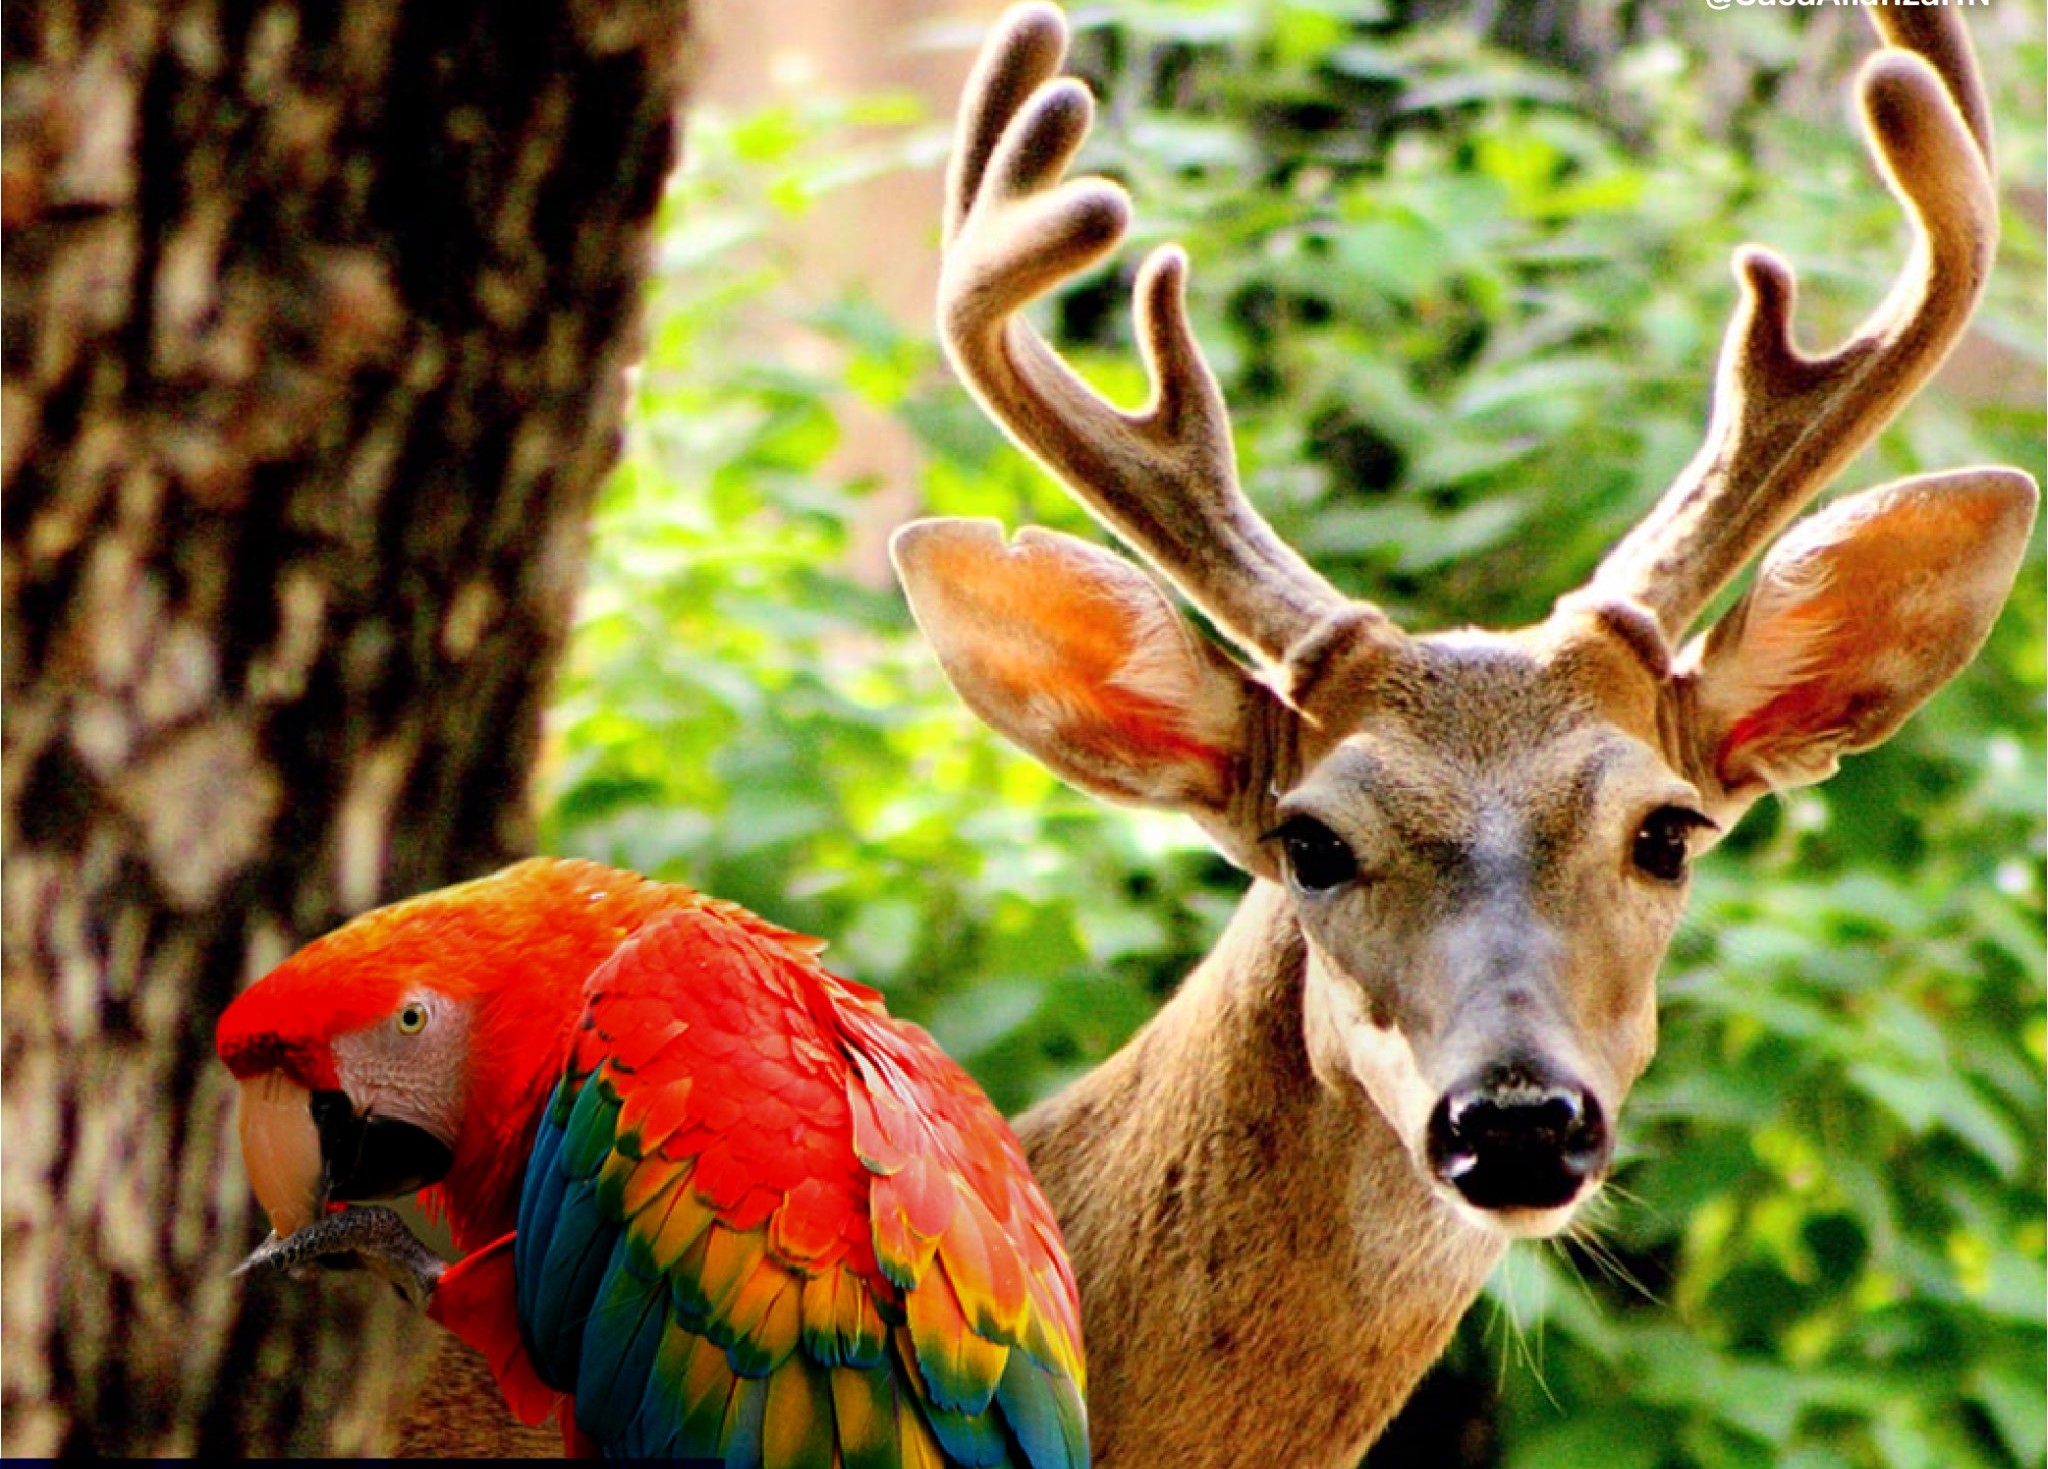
(412, 1019)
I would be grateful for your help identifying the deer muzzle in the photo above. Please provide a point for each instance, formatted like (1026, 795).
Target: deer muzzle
(1517, 1138)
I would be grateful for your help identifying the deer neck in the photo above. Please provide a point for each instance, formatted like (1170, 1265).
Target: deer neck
(1234, 1221)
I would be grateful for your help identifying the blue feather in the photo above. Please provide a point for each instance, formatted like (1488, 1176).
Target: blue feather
(540, 1207)
(1044, 1412)
(542, 1163)
(973, 1440)
(566, 1284)
(749, 1413)
(619, 1344)
(571, 1255)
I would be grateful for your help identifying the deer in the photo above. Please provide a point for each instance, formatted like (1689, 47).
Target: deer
(1467, 850)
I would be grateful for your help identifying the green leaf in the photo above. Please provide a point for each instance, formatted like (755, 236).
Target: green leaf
(1618, 1437)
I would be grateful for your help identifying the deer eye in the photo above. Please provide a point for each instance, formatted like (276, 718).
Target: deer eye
(1663, 843)
(1317, 858)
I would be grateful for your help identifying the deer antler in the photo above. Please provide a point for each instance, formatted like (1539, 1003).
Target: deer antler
(1164, 479)
(1784, 423)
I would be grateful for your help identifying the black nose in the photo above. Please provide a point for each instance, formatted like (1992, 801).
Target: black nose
(1517, 1138)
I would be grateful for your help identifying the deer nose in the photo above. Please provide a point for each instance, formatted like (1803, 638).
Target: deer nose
(1515, 1138)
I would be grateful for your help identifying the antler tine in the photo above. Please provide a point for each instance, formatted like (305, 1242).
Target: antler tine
(1943, 42)
(1784, 423)
(1164, 479)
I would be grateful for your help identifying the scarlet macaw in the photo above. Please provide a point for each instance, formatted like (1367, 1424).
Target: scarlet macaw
(713, 1198)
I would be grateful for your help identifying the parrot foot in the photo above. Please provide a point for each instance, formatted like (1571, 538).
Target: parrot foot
(369, 1238)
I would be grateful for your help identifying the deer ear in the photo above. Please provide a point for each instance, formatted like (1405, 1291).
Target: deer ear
(1077, 656)
(1857, 615)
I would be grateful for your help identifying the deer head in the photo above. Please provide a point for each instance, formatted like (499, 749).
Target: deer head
(1479, 840)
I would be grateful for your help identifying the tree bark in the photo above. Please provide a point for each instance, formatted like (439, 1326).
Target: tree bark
(316, 319)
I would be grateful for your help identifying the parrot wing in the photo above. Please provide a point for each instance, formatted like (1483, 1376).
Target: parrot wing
(766, 1224)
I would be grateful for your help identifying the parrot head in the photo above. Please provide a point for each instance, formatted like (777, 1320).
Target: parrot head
(414, 1047)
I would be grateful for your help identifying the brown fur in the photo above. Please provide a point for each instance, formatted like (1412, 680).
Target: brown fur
(1251, 1232)
(1228, 1216)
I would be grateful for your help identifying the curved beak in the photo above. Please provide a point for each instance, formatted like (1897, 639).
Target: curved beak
(281, 1150)
(302, 1148)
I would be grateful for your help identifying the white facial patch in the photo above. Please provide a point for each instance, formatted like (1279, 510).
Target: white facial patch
(412, 1075)
(1376, 1057)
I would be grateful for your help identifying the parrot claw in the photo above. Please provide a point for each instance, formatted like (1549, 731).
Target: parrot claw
(370, 1238)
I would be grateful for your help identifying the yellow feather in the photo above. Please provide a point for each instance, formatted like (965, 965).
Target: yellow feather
(860, 1320)
(612, 1177)
(797, 1427)
(820, 1324)
(731, 1258)
(648, 1185)
(864, 1406)
(920, 1449)
(1050, 1332)
(985, 1270)
(669, 1235)
(649, 1115)
(702, 1379)
(778, 1330)
(764, 1317)
(839, 1319)
(959, 1364)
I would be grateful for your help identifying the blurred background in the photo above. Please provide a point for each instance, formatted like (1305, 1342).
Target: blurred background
(1463, 268)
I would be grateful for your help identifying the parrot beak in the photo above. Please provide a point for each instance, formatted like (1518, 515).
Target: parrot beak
(302, 1148)
(281, 1150)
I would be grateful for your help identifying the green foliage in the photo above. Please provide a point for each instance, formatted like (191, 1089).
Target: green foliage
(1465, 307)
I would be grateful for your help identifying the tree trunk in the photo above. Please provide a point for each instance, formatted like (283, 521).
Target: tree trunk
(316, 317)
